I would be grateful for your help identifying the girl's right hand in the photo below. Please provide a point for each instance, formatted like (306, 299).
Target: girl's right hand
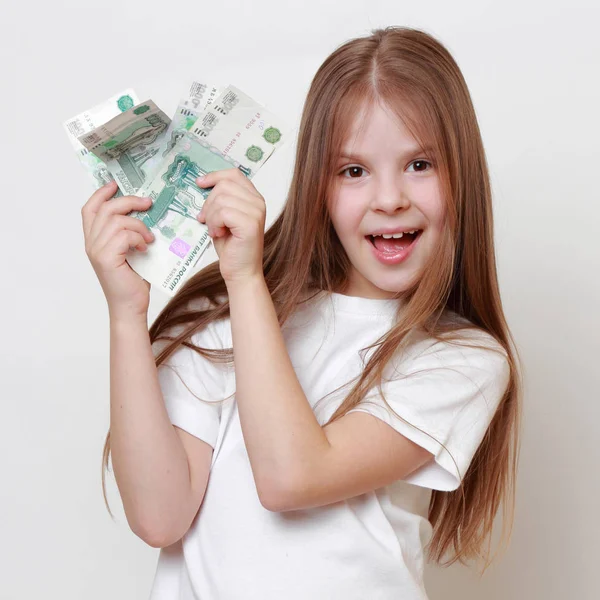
(109, 234)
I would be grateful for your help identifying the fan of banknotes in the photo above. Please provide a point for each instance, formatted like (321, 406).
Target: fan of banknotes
(147, 154)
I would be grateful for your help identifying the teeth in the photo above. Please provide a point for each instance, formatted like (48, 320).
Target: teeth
(387, 236)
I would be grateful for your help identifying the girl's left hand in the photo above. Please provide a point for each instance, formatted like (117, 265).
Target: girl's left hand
(235, 214)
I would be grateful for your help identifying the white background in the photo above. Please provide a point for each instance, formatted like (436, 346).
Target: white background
(532, 68)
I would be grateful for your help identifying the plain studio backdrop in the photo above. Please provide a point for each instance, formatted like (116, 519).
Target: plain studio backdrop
(532, 69)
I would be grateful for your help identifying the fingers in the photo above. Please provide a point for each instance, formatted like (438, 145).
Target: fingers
(118, 206)
(212, 210)
(110, 256)
(233, 175)
(116, 224)
(230, 188)
(96, 200)
(230, 212)
(233, 219)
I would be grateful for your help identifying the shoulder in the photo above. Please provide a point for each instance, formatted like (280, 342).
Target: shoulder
(469, 352)
(464, 334)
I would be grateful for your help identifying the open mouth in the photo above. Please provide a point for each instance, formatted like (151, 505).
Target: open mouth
(404, 242)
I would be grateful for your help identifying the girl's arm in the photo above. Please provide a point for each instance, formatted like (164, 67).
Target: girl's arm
(281, 432)
(296, 463)
(149, 460)
(160, 495)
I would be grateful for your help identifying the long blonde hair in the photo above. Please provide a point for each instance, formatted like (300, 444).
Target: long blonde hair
(416, 76)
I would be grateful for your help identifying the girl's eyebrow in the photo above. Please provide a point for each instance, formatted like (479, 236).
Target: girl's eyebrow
(347, 155)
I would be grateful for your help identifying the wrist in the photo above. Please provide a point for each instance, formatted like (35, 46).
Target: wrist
(127, 319)
(247, 284)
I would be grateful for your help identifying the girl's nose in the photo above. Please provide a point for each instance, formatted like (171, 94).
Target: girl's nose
(389, 197)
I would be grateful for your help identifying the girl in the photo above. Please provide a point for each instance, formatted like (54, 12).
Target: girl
(371, 411)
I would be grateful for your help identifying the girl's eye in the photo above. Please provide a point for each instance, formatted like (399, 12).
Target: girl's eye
(353, 171)
(421, 162)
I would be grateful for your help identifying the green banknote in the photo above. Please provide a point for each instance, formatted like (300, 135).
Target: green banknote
(197, 98)
(86, 122)
(180, 239)
(149, 154)
(241, 129)
(127, 142)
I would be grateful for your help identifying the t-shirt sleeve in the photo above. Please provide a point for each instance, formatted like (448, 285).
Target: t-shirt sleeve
(451, 393)
(204, 379)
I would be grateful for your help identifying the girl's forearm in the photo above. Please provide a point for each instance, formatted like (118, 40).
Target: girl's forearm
(282, 435)
(149, 461)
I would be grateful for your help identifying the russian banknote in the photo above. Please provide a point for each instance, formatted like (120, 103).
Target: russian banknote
(180, 239)
(126, 142)
(151, 155)
(197, 98)
(199, 95)
(86, 122)
(233, 131)
(241, 129)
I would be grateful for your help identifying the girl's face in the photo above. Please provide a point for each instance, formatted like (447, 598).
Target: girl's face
(383, 182)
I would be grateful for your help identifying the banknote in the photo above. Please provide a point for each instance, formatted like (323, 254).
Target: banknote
(127, 142)
(86, 122)
(197, 98)
(151, 155)
(241, 129)
(180, 239)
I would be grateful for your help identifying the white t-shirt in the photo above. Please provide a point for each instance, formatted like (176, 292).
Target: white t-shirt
(369, 546)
